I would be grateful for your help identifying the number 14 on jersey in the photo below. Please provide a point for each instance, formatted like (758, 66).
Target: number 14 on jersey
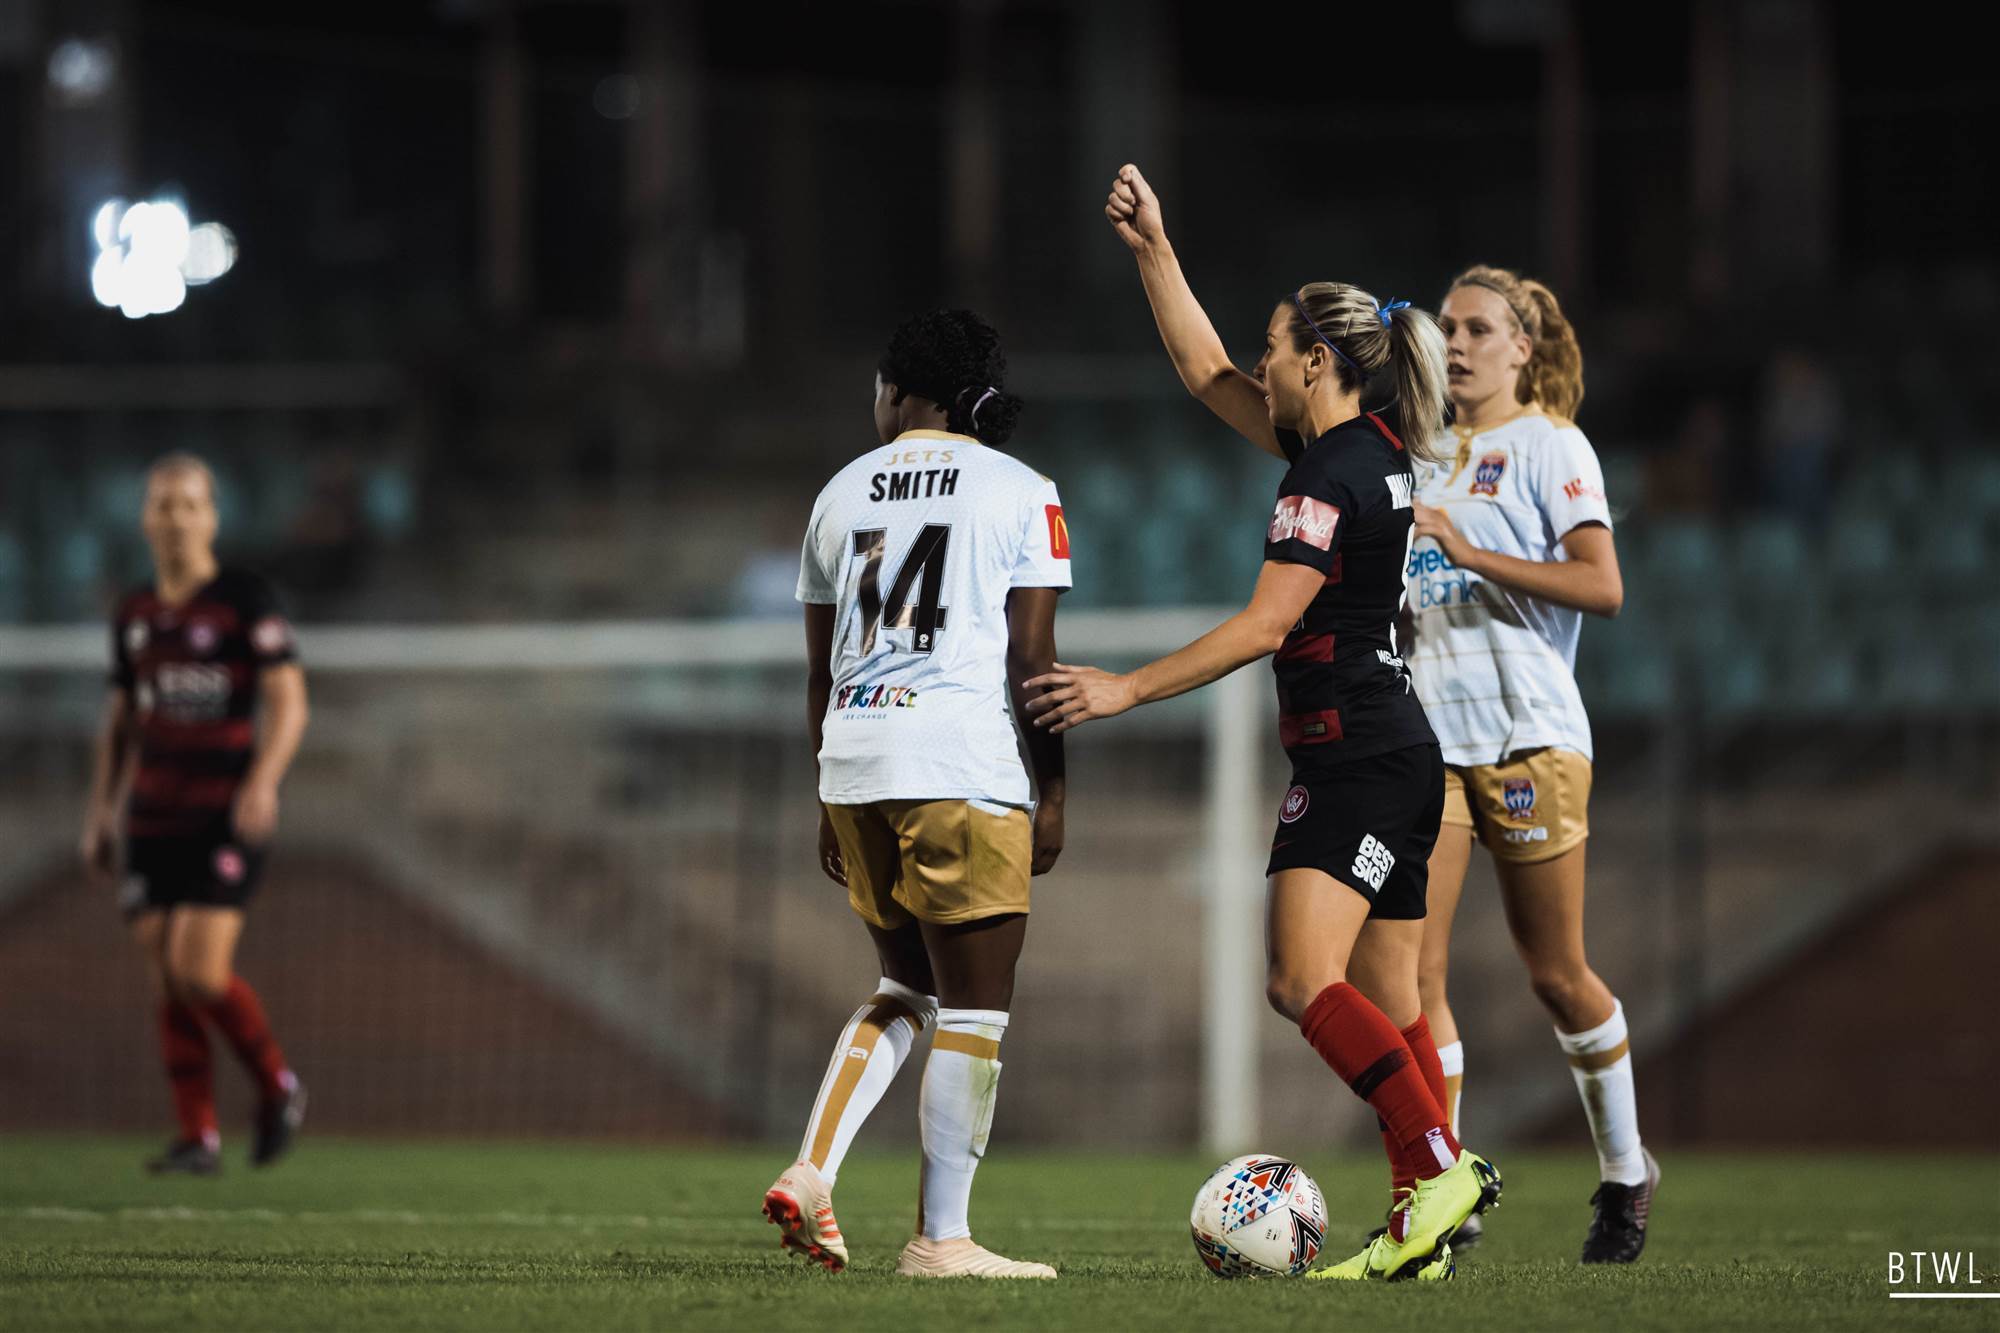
(926, 559)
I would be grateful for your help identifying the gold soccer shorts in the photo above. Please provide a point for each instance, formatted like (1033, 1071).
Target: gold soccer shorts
(939, 861)
(1533, 807)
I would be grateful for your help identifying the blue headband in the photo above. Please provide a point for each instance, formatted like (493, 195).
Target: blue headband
(1381, 313)
(1300, 307)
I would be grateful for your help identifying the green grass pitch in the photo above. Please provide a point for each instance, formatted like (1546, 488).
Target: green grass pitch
(363, 1235)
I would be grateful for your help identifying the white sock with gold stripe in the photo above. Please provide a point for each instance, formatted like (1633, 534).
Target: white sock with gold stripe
(1452, 1058)
(961, 1081)
(1601, 1062)
(872, 1047)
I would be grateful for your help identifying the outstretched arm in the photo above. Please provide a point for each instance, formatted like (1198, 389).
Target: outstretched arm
(1075, 695)
(1197, 352)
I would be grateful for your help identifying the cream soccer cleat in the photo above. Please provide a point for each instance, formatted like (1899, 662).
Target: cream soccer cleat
(800, 1205)
(1439, 1268)
(924, 1257)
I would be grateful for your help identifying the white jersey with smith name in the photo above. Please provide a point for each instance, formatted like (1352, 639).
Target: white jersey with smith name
(1496, 668)
(916, 544)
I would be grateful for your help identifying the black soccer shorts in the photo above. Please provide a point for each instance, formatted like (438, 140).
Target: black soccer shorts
(1370, 824)
(203, 870)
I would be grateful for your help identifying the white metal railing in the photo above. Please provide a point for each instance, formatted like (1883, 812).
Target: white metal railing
(1233, 734)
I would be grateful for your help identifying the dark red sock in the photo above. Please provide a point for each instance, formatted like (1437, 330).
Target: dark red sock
(1362, 1046)
(190, 1070)
(1417, 1036)
(239, 1017)
(1401, 1174)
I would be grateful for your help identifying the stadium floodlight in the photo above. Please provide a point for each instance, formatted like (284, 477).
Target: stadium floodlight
(81, 70)
(211, 252)
(149, 254)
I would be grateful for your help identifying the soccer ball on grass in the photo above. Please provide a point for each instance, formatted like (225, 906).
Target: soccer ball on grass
(1258, 1216)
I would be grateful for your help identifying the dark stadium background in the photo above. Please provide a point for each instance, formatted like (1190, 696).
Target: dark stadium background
(560, 313)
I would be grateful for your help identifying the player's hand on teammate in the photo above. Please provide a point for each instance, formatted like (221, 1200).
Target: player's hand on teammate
(1072, 696)
(99, 844)
(1134, 210)
(829, 851)
(1437, 525)
(1048, 836)
(255, 814)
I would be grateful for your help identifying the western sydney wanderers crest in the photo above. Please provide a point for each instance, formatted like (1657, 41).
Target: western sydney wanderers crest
(201, 637)
(1519, 793)
(271, 635)
(1486, 477)
(229, 866)
(1294, 806)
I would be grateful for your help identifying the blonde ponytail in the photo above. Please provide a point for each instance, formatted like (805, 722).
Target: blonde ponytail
(1418, 354)
(1368, 337)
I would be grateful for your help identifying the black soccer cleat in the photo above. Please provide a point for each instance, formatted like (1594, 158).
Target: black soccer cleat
(277, 1125)
(185, 1157)
(1618, 1231)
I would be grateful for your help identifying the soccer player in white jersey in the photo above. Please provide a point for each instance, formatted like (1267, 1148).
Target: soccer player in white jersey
(1514, 545)
(930, 575)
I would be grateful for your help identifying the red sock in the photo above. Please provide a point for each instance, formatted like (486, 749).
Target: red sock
(190, 1071)
(1417, 1036)
(1366, 1050)
(239, 1017)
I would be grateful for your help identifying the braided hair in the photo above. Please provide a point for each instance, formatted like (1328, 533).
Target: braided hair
(953, 358)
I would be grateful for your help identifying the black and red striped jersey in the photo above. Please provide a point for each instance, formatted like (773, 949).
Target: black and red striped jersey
(1344, 509)
(191, 674)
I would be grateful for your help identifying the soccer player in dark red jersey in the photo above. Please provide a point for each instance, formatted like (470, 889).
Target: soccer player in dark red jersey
(207, 708)
(1347, 873)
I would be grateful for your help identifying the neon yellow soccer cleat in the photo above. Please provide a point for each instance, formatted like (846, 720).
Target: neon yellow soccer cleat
(1436, 1210)
(1439, 1268)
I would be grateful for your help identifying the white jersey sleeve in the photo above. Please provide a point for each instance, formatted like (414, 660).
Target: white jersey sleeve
(1044, 561)
(816, 576)
(1568, 483)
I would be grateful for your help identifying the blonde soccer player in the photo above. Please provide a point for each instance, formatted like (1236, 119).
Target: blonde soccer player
(1354, 832)
(1514, 548)
(930, 574)
(207, 707)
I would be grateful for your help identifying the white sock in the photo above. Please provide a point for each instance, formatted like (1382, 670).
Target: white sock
(961, 1081)
(1452, 1057)
(1601, 1062)
(872, 1047)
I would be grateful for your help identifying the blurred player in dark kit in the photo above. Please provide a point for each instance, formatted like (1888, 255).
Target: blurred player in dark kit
(206, 710)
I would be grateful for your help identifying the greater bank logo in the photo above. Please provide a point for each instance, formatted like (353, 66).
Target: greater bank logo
(1439, 582)
(1936, 1275)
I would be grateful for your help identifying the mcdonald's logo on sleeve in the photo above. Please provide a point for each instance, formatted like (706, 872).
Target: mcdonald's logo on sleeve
(1058, 533)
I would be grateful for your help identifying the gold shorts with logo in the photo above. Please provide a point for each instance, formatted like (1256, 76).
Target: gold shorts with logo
(938, 861)
(1533, 807)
